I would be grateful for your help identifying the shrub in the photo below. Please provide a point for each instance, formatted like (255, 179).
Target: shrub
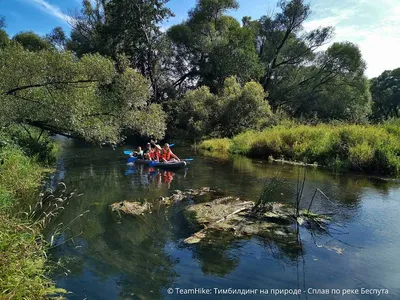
(361, 148)
(218, 145)
(19, 174)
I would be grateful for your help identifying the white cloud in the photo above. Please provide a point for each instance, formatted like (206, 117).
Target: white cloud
(51, 9)
(373, 26)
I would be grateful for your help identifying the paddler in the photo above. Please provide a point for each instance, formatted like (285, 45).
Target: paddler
(157, 153)
(167, 155)
(148, 153)
(138, 153)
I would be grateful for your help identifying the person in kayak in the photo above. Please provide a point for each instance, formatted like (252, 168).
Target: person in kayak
(157, 153)
(138, 153)
(167, 155)
(148, 153)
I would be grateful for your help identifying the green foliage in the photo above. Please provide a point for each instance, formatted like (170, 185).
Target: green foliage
(216, 145)
(19, 174)
(83, 98)
(33, 142)
(4, 39)
(200, 113)
(57, 38)
(332, 87)
(194, 114)
(360, 148)
(31, 41)
(386, 95)
(22, 260)
(211, 46)
(125, 27)
(247, 110)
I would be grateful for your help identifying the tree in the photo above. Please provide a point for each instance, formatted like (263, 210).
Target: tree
(201, 114)
(193, 116)
(128, 27)
(245, 108)
(83, 98)
(282, 42)
(385, 91)
(4, 39)
(57, 38)
(31, 41)
(210, 46)
(313, 90)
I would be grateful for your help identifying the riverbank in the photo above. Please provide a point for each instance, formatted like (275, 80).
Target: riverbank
(365, 148)
(23, 271)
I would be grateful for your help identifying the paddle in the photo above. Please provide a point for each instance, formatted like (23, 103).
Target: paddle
(129, 152)
(131, 159)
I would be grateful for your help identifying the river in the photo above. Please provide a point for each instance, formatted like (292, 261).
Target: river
(105, 256)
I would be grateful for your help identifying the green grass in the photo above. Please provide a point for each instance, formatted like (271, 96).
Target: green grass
(217, 145)
(22, 248)
(19, 174)
(371, 149)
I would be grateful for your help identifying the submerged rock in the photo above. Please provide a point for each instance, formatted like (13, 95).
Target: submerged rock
(243, 218)
(131, 208)
(136, 208)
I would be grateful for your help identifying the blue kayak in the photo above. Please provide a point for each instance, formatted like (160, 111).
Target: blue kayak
(167, 165)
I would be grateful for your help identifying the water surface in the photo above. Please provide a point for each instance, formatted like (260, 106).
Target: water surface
(108, 257)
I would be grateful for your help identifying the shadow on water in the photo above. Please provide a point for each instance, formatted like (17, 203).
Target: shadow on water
(113, 257)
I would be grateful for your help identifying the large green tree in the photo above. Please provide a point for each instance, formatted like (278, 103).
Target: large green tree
(236, 108)
(124, 27)
(385, 91)
(332, 86)
(282, 42)
(211, 46)
(31, 41)
(83, 97)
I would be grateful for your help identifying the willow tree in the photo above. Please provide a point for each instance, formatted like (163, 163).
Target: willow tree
(83, 98)
(211, 46)
(128, 27)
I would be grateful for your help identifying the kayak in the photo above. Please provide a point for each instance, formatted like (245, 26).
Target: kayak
(167, 165)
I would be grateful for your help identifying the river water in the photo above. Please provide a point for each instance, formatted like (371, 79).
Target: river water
(104, 256)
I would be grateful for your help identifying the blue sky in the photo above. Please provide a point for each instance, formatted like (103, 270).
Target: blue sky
(373, 25)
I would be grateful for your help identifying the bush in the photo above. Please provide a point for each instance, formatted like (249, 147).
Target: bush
(361, 148)
(218, 145)
(19, 174)
(34, 143)
(201, 114)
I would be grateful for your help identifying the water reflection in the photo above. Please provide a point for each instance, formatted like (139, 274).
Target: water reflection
(149, 176)
(137, 258)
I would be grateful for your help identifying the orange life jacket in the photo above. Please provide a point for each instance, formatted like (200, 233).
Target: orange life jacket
(166, 154)
(156, 154)
(152, 154)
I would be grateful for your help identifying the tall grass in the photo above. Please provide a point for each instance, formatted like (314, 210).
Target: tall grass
(19, 174)
(367, 148)
(22, 248)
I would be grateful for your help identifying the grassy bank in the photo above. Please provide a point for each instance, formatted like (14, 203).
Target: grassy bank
(372, 149)
(22, 260)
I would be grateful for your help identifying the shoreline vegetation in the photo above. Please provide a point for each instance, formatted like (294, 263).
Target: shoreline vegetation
(23, 268)
(362, 148)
